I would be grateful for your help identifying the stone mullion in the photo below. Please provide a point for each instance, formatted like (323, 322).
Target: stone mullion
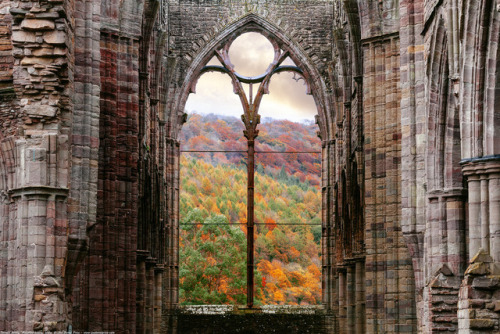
(21, 269)
(431, 236)
(141, 290)
(455, 221)
(494, 215)
(173, 224)
(485, 213)
(4, 246)
(379, 264)
(325, 219)
(150, 296)
(369, 130)
(342, 300)
(167, 282)
(392, 181)
(359, 298)
(176, 223)
(350, 298)
(474, 215)
(330, 253)
(158, 294)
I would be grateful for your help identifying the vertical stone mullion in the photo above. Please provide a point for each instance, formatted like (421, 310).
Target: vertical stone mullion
(325, 219)
(485, 212)
(455, 221)
(494, 215)
(342, 301)
(158, 299)
(474, 215)
(350, 298)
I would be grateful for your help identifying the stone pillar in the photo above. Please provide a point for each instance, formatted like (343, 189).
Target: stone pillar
(478, 307)
(494, 215)
(350, 291)
(483, 176)
(445, 258)
(158, 298)
(359, 312)
(150, 295)
(38, 239)
(342, 288)
(141, 291)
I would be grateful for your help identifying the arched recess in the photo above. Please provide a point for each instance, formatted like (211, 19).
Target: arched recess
(478, 65)
(4, 241)
(316, 83)
(254, 23)
(443, 140)
(444, 237)
(491, 129)
(9, 241)
(480, 124)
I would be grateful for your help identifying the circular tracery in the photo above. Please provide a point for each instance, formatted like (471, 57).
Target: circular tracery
(247, 53)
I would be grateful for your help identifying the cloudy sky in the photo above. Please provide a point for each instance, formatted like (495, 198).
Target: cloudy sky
(251, 54)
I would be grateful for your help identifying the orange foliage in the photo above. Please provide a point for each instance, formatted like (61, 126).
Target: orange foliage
(270, 224)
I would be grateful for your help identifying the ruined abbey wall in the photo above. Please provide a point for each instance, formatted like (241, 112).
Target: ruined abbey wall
(92, 97)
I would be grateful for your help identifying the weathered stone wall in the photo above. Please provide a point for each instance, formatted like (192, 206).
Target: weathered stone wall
(37, 87)
(92, 97)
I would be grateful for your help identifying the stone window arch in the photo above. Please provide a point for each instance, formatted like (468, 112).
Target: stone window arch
(283, 48)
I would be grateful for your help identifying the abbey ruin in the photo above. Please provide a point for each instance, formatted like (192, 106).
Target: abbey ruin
(92, 96)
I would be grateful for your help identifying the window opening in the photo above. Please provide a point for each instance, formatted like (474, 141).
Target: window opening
(251, 90)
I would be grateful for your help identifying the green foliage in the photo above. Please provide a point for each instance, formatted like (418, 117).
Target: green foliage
(213, 217)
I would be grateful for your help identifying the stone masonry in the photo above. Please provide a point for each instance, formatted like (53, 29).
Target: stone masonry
(92, 96)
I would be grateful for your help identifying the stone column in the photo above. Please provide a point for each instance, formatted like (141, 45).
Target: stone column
(141, 291)
(360, 298)
(39, 230)
(158, 298)
(478, 306)
(494, 214)
(350, 287)
(483, 178)
(150, 295)
(342, 288)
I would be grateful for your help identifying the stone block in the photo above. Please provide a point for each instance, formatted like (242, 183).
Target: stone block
(39, 298)
(37, 24)
(482, 323)
(36, 110)
(487, 283)
(23, 36)
(55, 37)
(36, 61)
(478, 268)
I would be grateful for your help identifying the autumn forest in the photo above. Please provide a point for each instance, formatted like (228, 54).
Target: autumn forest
(213, 213)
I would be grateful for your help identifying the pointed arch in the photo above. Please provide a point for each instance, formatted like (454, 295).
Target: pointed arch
(491, 128)
(255, 23)
(478, 29)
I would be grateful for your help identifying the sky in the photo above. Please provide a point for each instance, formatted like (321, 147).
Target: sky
(251, 54)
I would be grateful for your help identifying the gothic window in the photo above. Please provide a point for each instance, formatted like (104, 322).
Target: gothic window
(250, 201)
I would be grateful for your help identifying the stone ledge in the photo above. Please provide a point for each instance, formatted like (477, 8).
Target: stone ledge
(235, 309)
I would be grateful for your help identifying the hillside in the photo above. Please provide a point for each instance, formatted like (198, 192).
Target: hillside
(213, 217)
(214, 132)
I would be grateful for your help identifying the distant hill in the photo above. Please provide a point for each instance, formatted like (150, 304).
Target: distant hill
(215, 132)
(213, 214)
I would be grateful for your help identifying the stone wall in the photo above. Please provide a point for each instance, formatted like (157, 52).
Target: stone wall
(37, 87)
(92, 97)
